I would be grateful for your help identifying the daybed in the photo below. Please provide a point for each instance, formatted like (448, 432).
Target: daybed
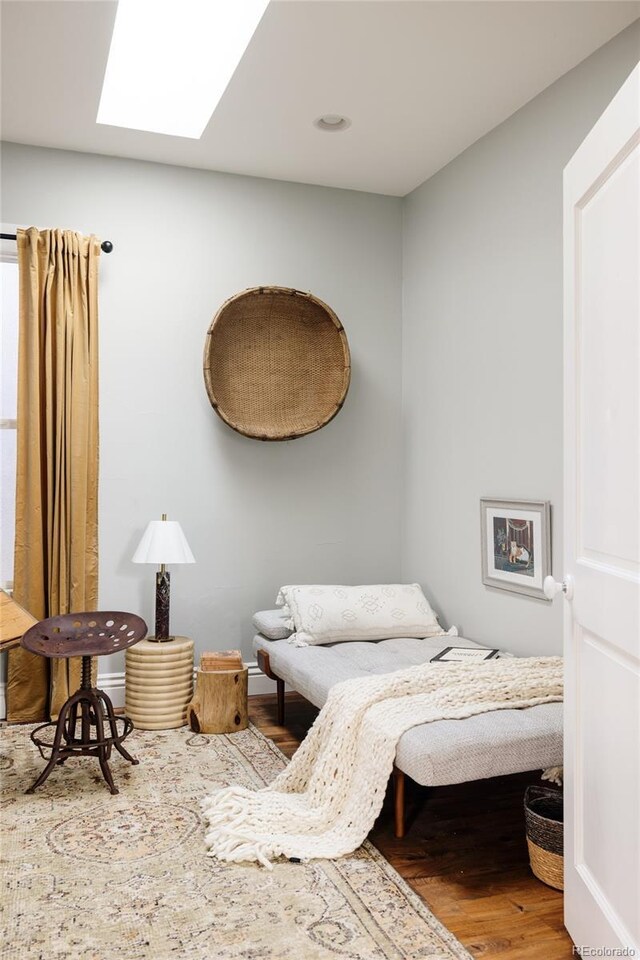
(443, 752)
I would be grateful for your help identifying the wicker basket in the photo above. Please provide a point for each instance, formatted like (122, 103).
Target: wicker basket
(276, 363)
(543, 811)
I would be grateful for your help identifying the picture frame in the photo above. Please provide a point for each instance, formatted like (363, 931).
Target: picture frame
(516, 545)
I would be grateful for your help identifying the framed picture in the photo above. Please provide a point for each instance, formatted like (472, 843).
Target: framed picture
(516, 545)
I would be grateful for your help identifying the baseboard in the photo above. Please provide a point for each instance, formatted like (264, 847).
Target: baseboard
(113, 685)
(258, 683)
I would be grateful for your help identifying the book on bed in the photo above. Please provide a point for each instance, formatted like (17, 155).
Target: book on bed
(460, 654)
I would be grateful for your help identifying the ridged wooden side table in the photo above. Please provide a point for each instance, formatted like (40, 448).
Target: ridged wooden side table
(159, 683)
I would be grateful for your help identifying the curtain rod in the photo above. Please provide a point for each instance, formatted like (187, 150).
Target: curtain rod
(106, 246)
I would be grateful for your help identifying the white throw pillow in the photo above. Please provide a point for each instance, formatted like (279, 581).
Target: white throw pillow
(329, 613)
(272, 624)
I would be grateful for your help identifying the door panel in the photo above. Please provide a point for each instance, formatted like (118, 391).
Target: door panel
(602, 529)
(608, 341)
(607, 824)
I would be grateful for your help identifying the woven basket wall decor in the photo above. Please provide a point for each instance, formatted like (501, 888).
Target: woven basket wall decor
(276, 363)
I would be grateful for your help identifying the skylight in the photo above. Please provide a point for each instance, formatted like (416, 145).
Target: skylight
(171, 60)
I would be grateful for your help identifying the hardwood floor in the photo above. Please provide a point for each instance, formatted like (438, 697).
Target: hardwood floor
(465, 854)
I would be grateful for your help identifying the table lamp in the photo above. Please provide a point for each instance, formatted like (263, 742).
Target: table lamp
(163, 542)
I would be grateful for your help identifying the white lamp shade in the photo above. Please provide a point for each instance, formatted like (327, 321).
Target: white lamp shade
(163, 542)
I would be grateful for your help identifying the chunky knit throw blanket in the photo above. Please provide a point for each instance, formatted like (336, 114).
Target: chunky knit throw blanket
(326, 800)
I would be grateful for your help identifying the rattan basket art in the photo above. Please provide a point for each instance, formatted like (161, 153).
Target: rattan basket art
(276, 363)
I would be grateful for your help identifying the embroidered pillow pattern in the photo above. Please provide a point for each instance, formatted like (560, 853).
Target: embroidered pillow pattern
(332, 613)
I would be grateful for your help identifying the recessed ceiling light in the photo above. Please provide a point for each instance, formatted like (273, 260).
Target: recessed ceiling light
(332, 122)
(171, 60)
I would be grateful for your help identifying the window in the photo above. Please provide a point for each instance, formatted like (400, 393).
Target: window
(8, 412)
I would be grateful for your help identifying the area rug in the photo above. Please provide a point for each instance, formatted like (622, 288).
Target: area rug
(99, 877)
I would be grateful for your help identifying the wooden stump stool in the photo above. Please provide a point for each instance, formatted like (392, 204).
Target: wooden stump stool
(219, 703)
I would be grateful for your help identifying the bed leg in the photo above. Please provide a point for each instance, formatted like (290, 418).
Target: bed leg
(265, 666)
(280, 693)
(398, 793)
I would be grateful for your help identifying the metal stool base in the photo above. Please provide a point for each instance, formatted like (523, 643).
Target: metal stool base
(90, 709)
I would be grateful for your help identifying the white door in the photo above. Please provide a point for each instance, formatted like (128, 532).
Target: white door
(602, 529)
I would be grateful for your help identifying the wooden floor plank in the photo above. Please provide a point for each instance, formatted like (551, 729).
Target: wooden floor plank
(465, 854)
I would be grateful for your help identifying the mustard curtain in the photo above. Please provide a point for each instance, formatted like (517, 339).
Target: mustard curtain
(56, 548)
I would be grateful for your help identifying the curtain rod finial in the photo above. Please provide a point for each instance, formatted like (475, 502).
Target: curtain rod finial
(106, 246)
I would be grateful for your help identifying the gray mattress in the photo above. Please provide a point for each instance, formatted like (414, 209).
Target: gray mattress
(445, 751)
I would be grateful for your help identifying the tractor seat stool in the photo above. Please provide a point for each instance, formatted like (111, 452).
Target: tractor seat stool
(85, 635)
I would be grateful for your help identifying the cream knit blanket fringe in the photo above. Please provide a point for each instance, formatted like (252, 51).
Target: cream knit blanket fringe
(325, 802)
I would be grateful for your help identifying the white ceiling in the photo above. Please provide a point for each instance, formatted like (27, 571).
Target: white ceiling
(421, 80)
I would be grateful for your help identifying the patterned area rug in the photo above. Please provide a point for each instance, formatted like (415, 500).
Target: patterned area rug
(99, 877)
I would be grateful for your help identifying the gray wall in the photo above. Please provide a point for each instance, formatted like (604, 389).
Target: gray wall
(482, 347)
(324, 507)
(481, 367)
